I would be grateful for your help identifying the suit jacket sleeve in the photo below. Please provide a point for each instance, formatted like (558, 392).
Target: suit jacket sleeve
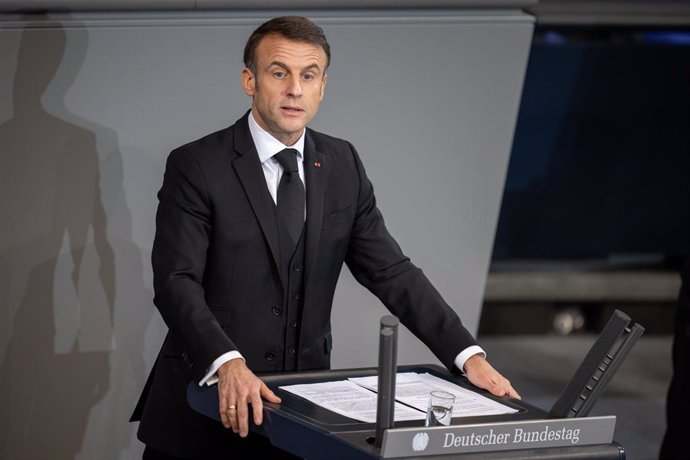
(183, 224)
(378, 263)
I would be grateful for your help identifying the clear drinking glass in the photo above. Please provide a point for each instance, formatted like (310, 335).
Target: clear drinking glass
(440, 409)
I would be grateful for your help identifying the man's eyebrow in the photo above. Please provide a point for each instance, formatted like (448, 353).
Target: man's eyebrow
(278, 63)
(313, 66)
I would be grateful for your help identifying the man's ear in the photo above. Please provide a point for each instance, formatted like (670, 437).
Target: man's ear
(248, 82)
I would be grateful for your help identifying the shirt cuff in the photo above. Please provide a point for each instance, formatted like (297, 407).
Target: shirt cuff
(466, 354)
(211, 376)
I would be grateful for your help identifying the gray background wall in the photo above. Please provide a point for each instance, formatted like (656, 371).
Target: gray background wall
(90, 105)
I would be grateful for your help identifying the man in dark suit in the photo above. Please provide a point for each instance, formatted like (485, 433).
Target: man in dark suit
(253, 225)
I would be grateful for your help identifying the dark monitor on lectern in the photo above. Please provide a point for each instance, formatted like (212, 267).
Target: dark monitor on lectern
(598, 367)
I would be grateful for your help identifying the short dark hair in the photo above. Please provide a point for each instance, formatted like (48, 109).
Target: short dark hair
(296, 28)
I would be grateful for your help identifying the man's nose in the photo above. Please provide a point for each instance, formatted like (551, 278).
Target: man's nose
(295, 86)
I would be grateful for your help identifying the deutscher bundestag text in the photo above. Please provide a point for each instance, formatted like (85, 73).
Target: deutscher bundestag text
(518, 436)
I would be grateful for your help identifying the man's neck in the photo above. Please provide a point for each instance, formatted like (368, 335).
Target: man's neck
(268, 145)
(287, 142)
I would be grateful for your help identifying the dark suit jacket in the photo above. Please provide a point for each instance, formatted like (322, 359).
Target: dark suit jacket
(217, 275)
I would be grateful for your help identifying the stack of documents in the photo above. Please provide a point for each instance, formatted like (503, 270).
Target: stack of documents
(356, 397)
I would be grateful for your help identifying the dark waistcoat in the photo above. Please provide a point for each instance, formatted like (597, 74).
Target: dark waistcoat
(290, 312)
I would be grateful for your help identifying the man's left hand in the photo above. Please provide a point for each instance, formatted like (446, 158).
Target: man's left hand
(481, 374)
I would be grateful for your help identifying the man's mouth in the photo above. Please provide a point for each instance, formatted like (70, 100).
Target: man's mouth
(291, 109)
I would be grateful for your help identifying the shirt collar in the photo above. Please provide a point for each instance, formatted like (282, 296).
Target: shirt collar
(267, 145)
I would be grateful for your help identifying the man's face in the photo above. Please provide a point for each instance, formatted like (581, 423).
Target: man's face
(288, 85)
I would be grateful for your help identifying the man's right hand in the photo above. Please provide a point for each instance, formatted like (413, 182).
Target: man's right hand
(238, 388)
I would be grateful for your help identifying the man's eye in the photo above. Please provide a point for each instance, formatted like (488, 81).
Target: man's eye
(279, 74)
(308, 76)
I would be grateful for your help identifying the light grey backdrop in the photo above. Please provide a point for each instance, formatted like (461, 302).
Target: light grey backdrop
(90, 106)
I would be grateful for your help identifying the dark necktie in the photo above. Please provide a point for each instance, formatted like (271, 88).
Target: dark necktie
(290, 193)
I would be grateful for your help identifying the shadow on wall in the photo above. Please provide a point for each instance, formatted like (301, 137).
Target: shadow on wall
(57, 265)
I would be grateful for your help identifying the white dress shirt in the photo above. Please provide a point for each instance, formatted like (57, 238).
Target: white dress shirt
(267, 146)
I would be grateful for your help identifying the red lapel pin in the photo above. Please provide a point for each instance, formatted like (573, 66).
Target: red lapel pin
(317, 164)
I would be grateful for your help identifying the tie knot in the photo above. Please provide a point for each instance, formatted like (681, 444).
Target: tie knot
(287, 159)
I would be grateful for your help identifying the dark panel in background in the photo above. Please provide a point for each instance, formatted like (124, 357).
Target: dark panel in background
(600, 163)
(596, 208)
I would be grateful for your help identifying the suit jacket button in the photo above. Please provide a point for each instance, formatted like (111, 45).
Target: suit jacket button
(270, 356)
(187, 360)
(293, 323)
(291, 351)
(277, 310)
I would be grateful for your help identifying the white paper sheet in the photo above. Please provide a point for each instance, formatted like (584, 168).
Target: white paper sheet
(413, 389)
(349, 399)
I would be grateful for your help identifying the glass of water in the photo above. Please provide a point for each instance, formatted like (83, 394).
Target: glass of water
(440, 409)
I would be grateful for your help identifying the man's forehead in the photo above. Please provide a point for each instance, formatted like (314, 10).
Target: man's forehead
(278, 48)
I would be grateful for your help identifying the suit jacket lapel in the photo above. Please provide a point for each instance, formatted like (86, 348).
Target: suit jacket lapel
(248, 169)
(315, 174)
